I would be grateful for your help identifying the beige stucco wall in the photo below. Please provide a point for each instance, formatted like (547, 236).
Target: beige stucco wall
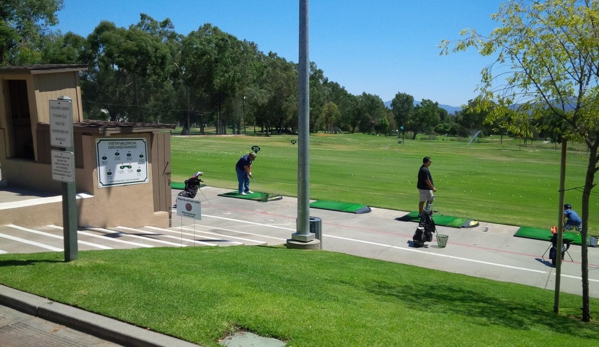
(41, 88)
(131, 205)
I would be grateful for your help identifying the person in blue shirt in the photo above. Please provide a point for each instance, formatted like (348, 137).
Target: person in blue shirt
(244, 172)
(572, 220)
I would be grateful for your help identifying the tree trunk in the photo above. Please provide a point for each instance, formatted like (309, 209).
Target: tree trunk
(586, 195)
(414, 136)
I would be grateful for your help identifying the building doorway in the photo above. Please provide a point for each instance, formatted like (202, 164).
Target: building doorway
(19, 117)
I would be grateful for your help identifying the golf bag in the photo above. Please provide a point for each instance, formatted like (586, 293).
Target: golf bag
(426, 228)
(553, 249)
(192, 185)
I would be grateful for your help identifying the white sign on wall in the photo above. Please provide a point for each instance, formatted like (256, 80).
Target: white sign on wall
(121, 161)
(190, 208)
(61, 124)
(63, 166)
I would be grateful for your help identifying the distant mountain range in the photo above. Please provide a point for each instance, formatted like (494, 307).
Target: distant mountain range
(450, 109)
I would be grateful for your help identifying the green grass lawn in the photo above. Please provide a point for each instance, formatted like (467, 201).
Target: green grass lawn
(486, 181)
(201, 294)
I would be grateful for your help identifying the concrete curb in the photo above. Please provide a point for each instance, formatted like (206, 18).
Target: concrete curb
(87, 322)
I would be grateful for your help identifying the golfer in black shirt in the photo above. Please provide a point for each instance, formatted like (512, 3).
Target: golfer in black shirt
(425, 185)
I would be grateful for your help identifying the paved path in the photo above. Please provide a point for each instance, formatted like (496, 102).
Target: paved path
(495, 254)
(18, 329)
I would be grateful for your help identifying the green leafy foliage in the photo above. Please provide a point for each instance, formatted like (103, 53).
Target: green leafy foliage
(23, 28)
(550, 50)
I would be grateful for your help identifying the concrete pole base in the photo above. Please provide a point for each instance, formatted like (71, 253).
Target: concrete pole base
(294, 244)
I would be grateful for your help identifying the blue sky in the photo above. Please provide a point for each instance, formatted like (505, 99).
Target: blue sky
(379, 47)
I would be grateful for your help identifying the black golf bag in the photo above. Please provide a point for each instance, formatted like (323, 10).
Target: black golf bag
(192, 185)
(553, 249)
(424, 231)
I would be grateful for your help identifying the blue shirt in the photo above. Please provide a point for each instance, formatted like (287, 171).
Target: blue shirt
(243, 162)
(573, 218)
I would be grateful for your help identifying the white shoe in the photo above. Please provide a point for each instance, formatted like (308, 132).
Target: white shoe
(250, 192)
(243, 193)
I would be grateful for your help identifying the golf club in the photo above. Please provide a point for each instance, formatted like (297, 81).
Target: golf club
(200, 189)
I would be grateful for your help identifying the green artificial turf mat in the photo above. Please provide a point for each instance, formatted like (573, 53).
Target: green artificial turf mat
(462, 223)
(447, 221)
(545, 234)
(181, 185)
(340, 206)
(257, 196)
(410, 217)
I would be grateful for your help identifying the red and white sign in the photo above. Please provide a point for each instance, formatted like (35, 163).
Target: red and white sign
(190, 208)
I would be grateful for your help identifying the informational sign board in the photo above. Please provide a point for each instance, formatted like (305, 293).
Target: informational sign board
(61, 124)
(63, 166)
(190, 208)
(122, 161)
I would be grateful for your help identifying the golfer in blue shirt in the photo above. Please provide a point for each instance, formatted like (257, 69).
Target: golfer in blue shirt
(572, 220)
(244, 172)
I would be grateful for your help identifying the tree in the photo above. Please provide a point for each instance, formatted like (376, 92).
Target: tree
(330, 116)
(344, 101)
(24, 24)
(402, 106)
(424, 117)
(63, 49)
(216, 63)
(473, 116)
(370, 111)
(318, 96)
(131, 71)
(382, 126)
(277, 99)
(551, 49)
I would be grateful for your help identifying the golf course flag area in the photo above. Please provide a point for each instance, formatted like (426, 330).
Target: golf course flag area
(340, 206)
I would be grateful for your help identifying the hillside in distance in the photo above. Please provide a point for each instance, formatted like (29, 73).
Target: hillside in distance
(450, 109)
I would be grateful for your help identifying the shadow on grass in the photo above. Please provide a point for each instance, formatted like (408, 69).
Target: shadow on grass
(483, 309)
(26, 262)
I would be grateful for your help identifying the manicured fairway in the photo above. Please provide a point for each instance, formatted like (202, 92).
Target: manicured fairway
(486, 181)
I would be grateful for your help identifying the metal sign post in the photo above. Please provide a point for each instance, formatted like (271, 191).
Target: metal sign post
(63, 170)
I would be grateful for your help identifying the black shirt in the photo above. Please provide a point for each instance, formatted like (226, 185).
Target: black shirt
(423, 175)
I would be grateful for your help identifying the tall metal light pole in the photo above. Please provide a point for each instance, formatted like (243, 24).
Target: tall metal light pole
(302, 238)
